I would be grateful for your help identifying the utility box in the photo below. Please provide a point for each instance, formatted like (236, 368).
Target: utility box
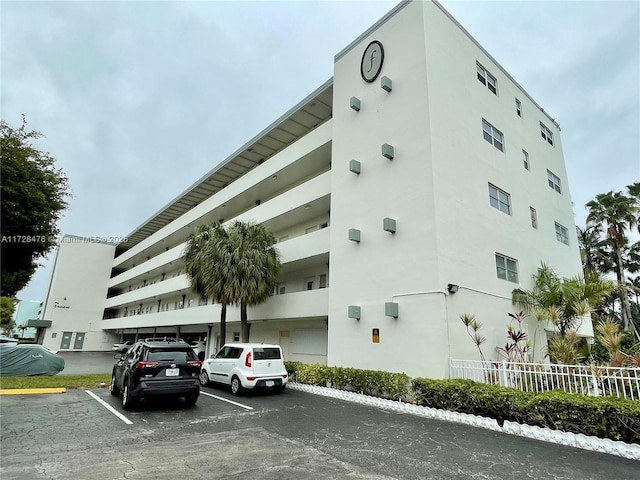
(354, 235)
(387, 151)
(389, 225)
(391, 309)
(354, 312)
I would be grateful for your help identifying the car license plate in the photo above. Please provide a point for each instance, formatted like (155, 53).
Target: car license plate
(269, 383)
(172, 372)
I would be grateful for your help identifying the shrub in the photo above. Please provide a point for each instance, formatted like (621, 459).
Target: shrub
(605, 417)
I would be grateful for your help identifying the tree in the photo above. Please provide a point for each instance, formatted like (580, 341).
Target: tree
(616, 211)
(251, 264)
(34, 195)
(234, 265)
(202, 258)
(7, 308)
(563, 301)
(593, 250)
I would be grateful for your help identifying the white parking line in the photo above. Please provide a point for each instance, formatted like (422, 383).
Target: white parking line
(225, 400)
(110, 408)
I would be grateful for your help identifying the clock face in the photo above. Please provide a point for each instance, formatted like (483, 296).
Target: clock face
(371, 63)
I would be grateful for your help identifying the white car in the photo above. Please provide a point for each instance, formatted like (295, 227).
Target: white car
(122, 347)
(246, 366)
(200, 349)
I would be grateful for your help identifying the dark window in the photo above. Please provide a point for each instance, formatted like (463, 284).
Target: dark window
(266, 353)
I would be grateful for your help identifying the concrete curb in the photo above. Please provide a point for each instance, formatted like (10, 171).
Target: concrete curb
(31, 391)
(594, 444)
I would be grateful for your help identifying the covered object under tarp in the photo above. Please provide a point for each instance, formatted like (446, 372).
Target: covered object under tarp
(26, 360)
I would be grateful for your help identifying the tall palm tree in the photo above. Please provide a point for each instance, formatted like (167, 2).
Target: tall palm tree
(616, 211)
(593, 249)
(250, 265)
(202, 258)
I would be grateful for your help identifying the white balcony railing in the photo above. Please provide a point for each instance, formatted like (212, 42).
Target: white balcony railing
(539, 377)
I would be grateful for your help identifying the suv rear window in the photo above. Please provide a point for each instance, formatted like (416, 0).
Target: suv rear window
(176, 356)
(266, 353)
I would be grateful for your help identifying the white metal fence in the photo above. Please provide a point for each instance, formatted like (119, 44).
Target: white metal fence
(539, 377)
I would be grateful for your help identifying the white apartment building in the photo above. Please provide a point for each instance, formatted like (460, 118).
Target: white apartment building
(420, 183)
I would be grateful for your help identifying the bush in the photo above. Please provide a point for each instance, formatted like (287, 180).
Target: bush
(604, 417)
(369, 382)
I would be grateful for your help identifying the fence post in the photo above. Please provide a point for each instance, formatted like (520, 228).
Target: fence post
(596, 392)
(504, 374)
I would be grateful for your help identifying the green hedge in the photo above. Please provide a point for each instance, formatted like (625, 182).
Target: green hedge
(369, 382)
(604, 417)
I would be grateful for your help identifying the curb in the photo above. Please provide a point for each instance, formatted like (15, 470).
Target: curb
(31, 391)
(594, 444)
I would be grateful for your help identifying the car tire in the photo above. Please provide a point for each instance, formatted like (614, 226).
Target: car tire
(236, 386)
(127, 399)
(204, 378)
(191, 399)
(113, 388)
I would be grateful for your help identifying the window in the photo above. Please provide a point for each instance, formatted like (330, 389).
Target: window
(534, 217)
(309, 283)
(492, 135)
(507, 268)
(499, 199)
(323, 281)
(562, 234)
(487, 79)
(546, 133)
(525, 160)
(518, 108)
(311, 229)
(554, 181)
(281, 289)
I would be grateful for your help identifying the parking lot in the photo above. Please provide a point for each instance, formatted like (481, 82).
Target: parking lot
(85, 434)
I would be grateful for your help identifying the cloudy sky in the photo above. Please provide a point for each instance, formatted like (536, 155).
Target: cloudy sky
(137, 100)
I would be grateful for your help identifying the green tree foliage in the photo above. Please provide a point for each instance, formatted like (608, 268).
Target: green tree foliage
(7, 308)
(34, 195)
(562, 301)
(236, 265)
(202, 257)
(614, 213)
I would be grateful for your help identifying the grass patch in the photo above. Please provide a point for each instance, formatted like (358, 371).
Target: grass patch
(56, 381)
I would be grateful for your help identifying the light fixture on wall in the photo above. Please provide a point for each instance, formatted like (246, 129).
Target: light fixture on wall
(307, 206)
(452, 288)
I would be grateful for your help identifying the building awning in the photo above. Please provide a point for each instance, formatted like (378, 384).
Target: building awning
(38, 323)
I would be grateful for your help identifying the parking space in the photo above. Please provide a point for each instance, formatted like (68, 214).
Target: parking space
(266, 436)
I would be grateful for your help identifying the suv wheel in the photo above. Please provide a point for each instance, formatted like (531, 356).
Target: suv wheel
(127, 400)
(190, 400)
(114, 390)
(204, 378)
(236, 386)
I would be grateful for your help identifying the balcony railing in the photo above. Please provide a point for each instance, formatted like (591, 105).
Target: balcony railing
(539, 377)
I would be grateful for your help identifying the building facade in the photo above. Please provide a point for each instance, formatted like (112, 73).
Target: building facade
(420, 183)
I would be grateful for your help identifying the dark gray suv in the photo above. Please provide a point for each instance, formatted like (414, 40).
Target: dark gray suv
(155, 367)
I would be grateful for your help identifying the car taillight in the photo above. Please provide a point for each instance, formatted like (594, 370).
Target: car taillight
(146, 364)
(285, 376)
(247, 361)
(194, 363)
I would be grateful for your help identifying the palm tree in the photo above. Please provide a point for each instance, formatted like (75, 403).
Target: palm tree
(202, 258)
(616, 211)
(593, 249)
(250, 265)
(562, 300)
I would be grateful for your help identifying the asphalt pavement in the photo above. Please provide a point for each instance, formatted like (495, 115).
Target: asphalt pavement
(85, 363)
(85, 435)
